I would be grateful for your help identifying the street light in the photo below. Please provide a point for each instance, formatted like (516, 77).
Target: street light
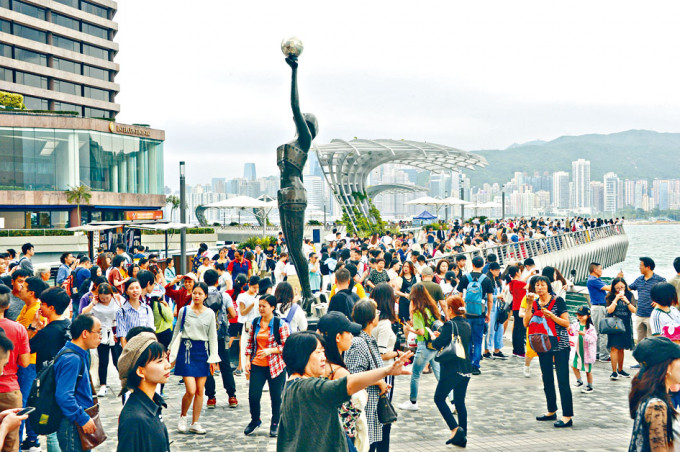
(503, 202)
(182, 219)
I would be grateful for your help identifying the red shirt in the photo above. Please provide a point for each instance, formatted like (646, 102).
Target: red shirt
(181, 296)
(233, 300)
(19, 337)
(518, 291)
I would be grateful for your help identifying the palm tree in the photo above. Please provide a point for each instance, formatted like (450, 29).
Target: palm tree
(78, 195)
(174, 201)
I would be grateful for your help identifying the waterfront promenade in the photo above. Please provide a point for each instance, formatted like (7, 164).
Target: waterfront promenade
(501, 402)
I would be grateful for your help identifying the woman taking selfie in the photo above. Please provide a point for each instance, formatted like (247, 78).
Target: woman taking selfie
(554, 311)
(620, 305)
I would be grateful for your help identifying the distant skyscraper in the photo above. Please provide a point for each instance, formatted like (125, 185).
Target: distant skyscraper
(249, 171)
(611, 192)
(580, 174)
(597, 196)
(560, 190)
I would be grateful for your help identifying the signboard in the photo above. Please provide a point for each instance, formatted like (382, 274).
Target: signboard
(131, 215)
(129, 130)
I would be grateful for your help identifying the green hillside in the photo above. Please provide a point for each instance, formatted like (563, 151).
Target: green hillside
(634, 154)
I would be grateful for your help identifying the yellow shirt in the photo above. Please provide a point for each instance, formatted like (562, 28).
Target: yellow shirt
(26, 317)
(360, 291)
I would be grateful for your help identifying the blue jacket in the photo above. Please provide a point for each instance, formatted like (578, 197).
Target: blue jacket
(71, 399)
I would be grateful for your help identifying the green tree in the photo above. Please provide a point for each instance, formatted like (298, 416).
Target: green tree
(174, 202)
(78, 195)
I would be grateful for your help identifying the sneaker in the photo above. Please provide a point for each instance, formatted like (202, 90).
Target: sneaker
(238, 372)
(518, 355)
(31, 446)
(274, 430)
(233, 403)
(212, 403)
(499, 355)
(605, 360)
(409, 406)
(578, 384)
(487, 355)
(251, 427)
(635, 366)
(614, 376)
(587, 390)
(182, 424)
(197, 429)
(623, 373)
(102, 391)
(527, 371)
(476, 371)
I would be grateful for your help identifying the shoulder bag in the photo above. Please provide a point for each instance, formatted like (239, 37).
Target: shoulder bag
(454, 350)
(91, 440)
(386, 412)
(612, 325)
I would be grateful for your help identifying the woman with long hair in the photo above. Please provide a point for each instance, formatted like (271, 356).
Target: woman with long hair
(289, 308)
(554, 311)
(337, 331)
(558, 284)
(162, 313)
(455, 374)
(424, 312)
(104, 304)
(649, 400)
(235, 326)
(253, 270)
(408, 280)
(194, 353)
(620, 304)
(116, 278)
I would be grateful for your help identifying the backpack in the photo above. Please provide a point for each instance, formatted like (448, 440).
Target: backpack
(214, 301)
(67, 285)
(473, 296)
(47, 415)
(277, 331)
(223, 320)
(289, 317)
(541, 330)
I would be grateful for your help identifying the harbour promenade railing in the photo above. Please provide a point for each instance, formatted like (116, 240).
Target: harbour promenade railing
(606, 245)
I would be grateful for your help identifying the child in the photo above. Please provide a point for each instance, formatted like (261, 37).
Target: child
(583, 349)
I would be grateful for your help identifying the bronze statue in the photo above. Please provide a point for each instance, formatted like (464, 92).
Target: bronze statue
(292, 197)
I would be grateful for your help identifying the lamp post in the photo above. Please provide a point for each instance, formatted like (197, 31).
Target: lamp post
(182, 219)
(503, 202)
(461, 194)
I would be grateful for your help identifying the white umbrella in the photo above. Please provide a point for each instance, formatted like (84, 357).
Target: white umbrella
(451, 201)
(425, 201)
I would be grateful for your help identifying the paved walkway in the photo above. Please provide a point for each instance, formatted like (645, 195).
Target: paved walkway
(502, 405)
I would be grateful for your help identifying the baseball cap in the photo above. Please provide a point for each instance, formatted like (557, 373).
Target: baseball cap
(655, 350)
(191, 276)
(336, 322)
(583, 310)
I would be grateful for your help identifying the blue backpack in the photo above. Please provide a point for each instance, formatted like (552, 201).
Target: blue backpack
(474, 300)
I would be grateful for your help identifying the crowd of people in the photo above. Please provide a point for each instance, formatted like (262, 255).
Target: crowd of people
(435, 298)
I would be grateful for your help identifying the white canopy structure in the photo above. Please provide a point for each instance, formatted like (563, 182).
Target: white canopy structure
(238, 202)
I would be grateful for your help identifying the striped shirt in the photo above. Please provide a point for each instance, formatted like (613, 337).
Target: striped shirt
(128, 317)
(660, 319)
(644, 287)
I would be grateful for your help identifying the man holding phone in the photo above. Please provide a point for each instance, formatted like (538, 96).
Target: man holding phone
(598, 290)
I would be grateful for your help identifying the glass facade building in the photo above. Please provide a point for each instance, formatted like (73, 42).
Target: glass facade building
(55, 159)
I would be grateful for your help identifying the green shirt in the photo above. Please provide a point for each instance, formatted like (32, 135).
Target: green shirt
(419, 323)
(162, 322)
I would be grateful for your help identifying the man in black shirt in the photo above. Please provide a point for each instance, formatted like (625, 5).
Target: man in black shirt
(50, 338)
(477, 321)
(344, 299)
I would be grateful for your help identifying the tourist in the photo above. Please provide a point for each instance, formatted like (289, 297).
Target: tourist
(264, 362)
(223, 306)
(649, 400)
(68, 264)
(620, 304)
(86, 299)
(198, 258)
(665, 312)
(433, 288)
(440, 271)
(309, 413)
(182, 296)
(386, 339)
(343, 299)
(378, 274)
(530, 354)
(675, 280)
(280, 268)
(238, 265)
(247, 311)
(583, 348)
(104, 305)
(224, 278)
(408, 280)
(643, 285)
(289, 309)
(454, 374)
(598, 291)
(554, 311)
(133, 270)
(206, 264)
(194, 353)
(518, 291)
(116, 278)
(169, 272)
(19, 357)
(235, 327)
(337, 332)
(25, 263)
(142, 366)
(16, 303)
(133, 312)
(362, 356)
(478, 293)
(494, 336)
(68, 365)
(424, 312)
(314, 273)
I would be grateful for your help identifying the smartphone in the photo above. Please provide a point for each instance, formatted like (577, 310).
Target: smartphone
(430, 332)
(27, 410)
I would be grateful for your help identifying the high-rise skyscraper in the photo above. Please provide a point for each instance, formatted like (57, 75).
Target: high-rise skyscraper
(560, 190)
(580, 174)
(597, 196)
(59, 55)
(611, 192)
(249, 171)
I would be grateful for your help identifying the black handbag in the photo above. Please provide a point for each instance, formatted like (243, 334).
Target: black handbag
(386, 412)
(612, 325)
(454, 350)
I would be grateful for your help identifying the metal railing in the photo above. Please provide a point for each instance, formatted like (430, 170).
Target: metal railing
(606, 245)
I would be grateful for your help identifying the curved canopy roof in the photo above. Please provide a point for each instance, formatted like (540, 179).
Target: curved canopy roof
(375, 190)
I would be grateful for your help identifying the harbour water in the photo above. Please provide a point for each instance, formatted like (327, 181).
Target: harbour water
(661, 242)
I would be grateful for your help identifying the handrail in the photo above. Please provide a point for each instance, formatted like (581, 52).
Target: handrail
(515, 252)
